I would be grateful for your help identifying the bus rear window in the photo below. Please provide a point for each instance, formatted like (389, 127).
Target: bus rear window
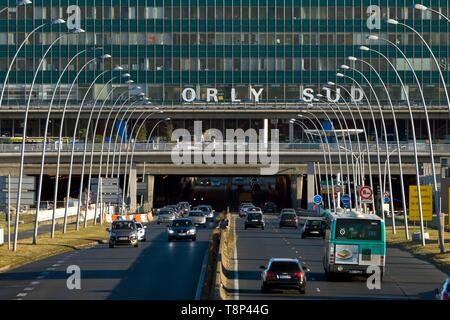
(355, 229)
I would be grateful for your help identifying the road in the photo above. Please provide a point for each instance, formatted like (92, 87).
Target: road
(156, 270)
(406, 277)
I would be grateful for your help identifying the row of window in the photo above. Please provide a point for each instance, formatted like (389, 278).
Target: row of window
(228, 38)
(224, 64)
(221, 12)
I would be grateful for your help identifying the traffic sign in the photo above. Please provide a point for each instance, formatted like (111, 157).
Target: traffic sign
(337, 189)
(345, 198)
(366, 193)
(317, 199)
(387, 199)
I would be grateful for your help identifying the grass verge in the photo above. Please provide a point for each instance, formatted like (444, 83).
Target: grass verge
(429, 253)
(26, 219)
(46, 246)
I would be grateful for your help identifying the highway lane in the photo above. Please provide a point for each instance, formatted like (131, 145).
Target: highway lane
(406, 277)
(156, 269)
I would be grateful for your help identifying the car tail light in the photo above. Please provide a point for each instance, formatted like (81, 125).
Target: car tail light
(271, 275)
(446, 296)
(299, 275)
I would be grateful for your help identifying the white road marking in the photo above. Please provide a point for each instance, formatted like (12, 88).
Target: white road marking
(201, 279)
(34, 283)
(22, 294)
(28, 289)
(56, 265)
(60, 261)
(317, 289)
(51, 269)
(236, 272)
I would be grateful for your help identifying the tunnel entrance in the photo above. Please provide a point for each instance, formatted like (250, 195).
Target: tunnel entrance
(222, 191)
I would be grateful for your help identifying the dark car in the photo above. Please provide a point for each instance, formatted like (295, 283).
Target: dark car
(269, 207)
(123, 232)
(254, 220)
(181, 229)
(288, 220)
(314, 228)
(284, 274)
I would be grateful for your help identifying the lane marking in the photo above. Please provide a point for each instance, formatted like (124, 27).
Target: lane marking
(28, 289)
(34, 283)
(22, 294)
(51, 269)
(60, 261)
(56, 265)
(201, 279)
(40, 277)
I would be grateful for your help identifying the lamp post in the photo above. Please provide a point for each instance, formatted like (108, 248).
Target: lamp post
(421, 7)
(397, 138)
(75, 131)
(18, 4)
(365, 137)
(58, 159)
(345, 144)
(323, 145)
(341, 75)
(436, 195)
(22, 151)
(41, 174)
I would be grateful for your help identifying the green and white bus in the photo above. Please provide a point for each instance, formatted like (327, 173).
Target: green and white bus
(354, 241)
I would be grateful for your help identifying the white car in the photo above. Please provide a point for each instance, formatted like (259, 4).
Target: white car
(141, 231)
(443, 292)
(244, 208)
(197, 217)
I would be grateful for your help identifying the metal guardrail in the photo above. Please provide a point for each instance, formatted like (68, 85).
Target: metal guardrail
(161, 147)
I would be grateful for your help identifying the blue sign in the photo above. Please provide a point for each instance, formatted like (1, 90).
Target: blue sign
(345, 198)
(317, 199)
(387, 200)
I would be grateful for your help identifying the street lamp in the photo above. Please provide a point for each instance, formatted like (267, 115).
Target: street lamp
(328, 147)
(22, 152)
(19, 3)
(341, 75)
(435, 191)
(345, 144)
(421, 7)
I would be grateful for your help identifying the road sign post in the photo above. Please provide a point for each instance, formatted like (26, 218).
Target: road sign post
(366, 194)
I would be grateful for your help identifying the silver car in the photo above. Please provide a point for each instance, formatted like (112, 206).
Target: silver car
(197, 217)
(165, 216)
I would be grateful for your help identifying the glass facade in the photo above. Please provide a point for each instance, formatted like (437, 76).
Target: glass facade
(280, 46)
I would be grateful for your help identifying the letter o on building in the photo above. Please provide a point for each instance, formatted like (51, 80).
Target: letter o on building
(188, 92)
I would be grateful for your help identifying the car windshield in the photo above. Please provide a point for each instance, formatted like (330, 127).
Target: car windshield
(203, 208)
(254, 215)
(164, 212)
(314, 223)
(182, 223)
(123, 225)
(284, 266)
(358, 229)
(288, 216)
(138, 225)
(196, 214)
(288, 211)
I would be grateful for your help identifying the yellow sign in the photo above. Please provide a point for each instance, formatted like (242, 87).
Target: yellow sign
(426, 193)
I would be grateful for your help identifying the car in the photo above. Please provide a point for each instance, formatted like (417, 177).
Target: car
(198, 217)
(123, 232)
(254, 209)
(208, 210)
(269, 207)
(284, 273)
(175, 209)
(443, 292)
(141, 231)
(288, 210)
(288, 219)
(184, 207)
(181, 228)
(314, 227)
(243, 209)
(254, 220)
(215, 182)
(165, 215)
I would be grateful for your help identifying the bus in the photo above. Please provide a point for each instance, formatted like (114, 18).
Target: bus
(353, 242)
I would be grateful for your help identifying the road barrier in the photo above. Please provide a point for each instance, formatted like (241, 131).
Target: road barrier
(141, 217)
